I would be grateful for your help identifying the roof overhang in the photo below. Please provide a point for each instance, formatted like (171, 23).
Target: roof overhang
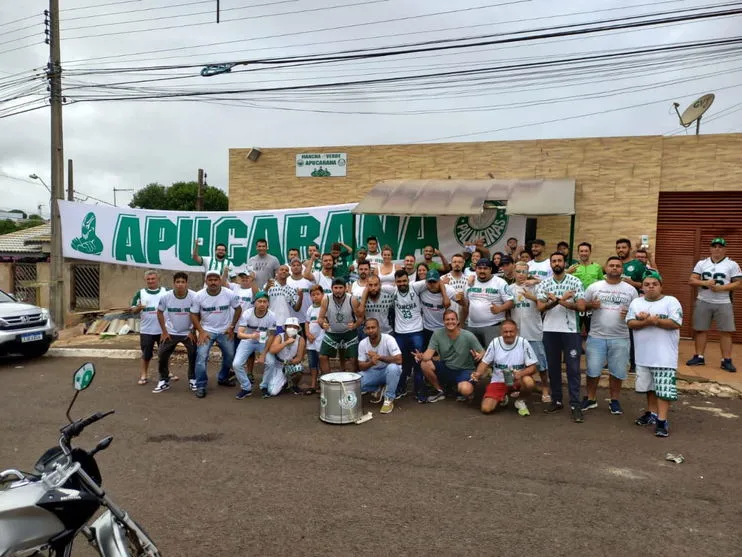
(469, 197)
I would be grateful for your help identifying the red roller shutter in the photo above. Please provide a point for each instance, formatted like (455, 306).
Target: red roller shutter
(686, 224)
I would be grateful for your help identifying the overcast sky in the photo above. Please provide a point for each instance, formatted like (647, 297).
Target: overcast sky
(127, 144)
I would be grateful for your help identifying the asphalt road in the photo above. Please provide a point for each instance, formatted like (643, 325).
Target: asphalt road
(265, 477)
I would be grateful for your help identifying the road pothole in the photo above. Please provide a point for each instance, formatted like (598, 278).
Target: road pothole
(200, 438)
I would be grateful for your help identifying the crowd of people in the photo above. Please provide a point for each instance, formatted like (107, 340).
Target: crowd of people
(445, 325)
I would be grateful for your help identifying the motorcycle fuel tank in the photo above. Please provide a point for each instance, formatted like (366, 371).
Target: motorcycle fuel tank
(23, 524)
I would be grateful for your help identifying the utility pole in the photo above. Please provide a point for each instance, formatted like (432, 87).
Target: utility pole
(54, 73)
(200, 196)
(70, 182)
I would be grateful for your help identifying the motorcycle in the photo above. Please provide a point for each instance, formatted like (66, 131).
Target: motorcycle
(41, 513)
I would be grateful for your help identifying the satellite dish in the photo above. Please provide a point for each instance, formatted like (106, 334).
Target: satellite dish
(695, 111)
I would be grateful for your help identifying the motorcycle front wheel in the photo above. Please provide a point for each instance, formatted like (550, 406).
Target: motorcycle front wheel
(117, 540)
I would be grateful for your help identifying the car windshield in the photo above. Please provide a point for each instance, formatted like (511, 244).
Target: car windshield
(5, 297)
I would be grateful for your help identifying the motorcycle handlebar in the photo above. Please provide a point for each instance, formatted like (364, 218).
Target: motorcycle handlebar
(76, 428)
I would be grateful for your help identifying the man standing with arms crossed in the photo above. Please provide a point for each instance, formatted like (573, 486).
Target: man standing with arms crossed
(560, 297)
(656, 320)
(174, 316)
(145, 302)
(608, 341)
(215, 323)
(716, 277)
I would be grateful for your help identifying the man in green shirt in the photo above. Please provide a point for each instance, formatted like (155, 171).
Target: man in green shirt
(588, 273)
(633, 269)
(428, 253)
(342, 254)
(459, 352)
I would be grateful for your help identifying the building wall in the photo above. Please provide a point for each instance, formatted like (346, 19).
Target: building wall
(618, 180)
(119, 283)
(6, 277)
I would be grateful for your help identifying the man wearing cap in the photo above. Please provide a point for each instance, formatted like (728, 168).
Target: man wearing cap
(255, 330)
(338, 317)
(435, 297)
(219, 262)
(716, 277)
(245, 290)
(507, 269)
(284, 360)
(263, 265)
(213, 319)
(379, 361)
(485, 303)
(656, 320)
(540, 265)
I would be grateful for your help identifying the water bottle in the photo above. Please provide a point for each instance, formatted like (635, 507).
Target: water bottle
(509, 377)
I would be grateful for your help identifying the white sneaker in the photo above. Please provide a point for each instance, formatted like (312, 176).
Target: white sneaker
(522, 408)
(387, 407)
(192, 385)
(161, 386)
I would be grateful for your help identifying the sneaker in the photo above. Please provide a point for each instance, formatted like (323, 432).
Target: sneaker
(192, 385)
(401, 395)
(265, 392)
(588, 404)
(646, 419)
(522, 408)
(440, 395)
(577, 415)
(461, 398)
(161, 386)
(251, 377)
(696, 360)
(421, 399)
(387, 407)
(727, 365)
(227, 383)
(378, 396)
(615, 407)
(661, 429)
(553, 407)
(242, 394)
(200, 392)
(504, 402)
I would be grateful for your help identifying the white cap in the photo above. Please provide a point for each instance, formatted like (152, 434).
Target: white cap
(213, 272)
(292, 322)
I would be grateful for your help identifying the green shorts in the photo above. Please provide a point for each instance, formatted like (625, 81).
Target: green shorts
(343, 344)
(660, 380)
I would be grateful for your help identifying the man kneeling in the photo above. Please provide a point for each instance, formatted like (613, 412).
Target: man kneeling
(380, 363)
(284, 360)
(513, 362)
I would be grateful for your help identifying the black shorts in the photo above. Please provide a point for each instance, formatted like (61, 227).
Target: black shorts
(147, 344)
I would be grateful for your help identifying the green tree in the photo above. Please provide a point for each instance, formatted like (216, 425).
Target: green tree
(7, 226)
(181, 196)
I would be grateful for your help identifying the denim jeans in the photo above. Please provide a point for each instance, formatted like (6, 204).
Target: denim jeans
(408, 343)
(375, 378)
(202, 356)
(246, 348)
(611, 351)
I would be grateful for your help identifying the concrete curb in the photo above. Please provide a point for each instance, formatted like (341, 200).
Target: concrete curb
(93, 353)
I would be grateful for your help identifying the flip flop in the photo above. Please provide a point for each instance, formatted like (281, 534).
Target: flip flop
(143, 381)
(546, 398)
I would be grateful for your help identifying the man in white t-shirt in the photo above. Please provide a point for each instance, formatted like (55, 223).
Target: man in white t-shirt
(380, 364)
(540, 266)
(560, 297)
(608, 338)
(174, 316)
(513, 364)
(484, 304)
(255, 329)
(145, 303)
(314, 334)
(297, 281)
(374, 254)
(435, 297)
(220, 262)
(214, 320)
(408, 332)
(359, 286)
(284, 298)
(716, 277)
(527, 316)
(324, 276)
(656, 320)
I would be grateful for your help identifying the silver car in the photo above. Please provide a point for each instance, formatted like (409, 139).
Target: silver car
(24, 328)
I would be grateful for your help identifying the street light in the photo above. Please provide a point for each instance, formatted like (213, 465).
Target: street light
(37, 177)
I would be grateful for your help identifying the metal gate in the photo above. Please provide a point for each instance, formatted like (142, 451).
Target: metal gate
(25, 286)
(85, 287)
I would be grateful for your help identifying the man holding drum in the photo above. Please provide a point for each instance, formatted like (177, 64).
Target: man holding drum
(380, 363)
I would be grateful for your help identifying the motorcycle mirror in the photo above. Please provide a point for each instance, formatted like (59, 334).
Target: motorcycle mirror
(81, 380)
(102, 445)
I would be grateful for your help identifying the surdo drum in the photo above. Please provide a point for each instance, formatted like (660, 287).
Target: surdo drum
(340, 398)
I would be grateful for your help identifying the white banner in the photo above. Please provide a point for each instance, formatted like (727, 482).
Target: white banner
(165, 239)
(321, 165)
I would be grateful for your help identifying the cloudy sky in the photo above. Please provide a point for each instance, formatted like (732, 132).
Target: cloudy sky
(150, 48)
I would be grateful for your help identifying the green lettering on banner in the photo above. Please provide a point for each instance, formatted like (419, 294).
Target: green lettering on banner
(227, 229)
(185, 241)
(338, 228)
(161, 234)
(203, 233)
(385, 228)
(266, 227)
(419, 232)
(127, 240)
(300, 230)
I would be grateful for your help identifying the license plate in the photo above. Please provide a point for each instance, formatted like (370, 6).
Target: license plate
(32, 337)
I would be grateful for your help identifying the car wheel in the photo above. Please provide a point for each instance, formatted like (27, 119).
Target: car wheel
(37, 350)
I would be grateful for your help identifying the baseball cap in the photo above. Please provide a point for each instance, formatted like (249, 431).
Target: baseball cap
(654, 275)
(213, 272)
(291, 322)
(432, 276)
(506, 260)
(484, 263)
(338, 281)
(261, 294)
(721, 241)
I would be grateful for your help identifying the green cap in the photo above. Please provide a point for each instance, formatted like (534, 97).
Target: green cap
(721, 241)
(261, 294)
(654, 275)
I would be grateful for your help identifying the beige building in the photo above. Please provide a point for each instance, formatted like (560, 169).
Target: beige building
(681, 191)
